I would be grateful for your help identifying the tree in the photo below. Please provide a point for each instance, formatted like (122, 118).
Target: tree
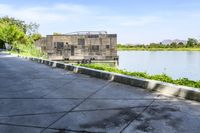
(20, 36)
(181, 44)
(173, 44)
(11, 34)
(32, 28)
(29, 29)
(14, 31)
(192, 42)
(36, 36)
(57, 33)
(2, 45)
(12, 21)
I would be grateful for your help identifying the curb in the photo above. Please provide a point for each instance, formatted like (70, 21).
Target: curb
(166, 89)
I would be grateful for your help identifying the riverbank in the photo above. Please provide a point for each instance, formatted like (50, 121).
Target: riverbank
(157, 49)
(164, 88)
(159, 77)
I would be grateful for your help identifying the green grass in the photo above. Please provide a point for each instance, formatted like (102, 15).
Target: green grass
(28, 50)
(157, 49)
(160, 77)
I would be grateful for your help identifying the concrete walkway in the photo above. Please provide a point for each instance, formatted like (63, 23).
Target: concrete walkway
(36, 98)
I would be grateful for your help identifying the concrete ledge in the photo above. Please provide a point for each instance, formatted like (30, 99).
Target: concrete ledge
(51, 63)
(60, 65)
(150, 85)
(46, 62)
(95, 73)
(133, 81)
(190, 94)
(70, 67)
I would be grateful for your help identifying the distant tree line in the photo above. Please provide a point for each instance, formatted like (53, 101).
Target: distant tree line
(191, 43)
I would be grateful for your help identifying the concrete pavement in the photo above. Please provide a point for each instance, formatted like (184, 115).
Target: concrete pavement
(36, 98)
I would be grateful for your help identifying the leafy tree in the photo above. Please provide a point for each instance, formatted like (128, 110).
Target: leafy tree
(173, 44)
(20, 36)
(181, 44)
(29, 29)
(192, 42)
(57, 33)
(12, 21)
(36, 36)
(14, 31)
(12, 34)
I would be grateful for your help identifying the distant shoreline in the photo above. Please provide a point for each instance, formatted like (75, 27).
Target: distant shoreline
(158, 49)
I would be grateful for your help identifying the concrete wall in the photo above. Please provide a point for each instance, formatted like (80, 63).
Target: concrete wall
(74, 50)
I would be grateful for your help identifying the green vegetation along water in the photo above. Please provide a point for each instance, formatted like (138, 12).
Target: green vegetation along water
(159, 77)
(191, 45)
(158, 49)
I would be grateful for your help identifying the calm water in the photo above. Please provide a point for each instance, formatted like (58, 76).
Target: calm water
(174, 63)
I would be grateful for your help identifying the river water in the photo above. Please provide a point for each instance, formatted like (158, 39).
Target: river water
(177, 64)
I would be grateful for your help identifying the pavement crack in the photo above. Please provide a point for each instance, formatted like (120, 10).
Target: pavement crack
(86, 110)
(20, 125)
(71, 98)
(32, 114)
(76, 106)
(39, 98)
(59, 87)
(40, 127)
(105, 109)
(133, 119)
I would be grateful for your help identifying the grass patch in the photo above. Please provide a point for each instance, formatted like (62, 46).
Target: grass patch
(160, 77)
(29, 50)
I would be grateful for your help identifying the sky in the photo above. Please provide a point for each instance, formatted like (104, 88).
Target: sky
(134, 21)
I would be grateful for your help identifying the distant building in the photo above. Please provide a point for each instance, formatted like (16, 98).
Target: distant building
(79, 46)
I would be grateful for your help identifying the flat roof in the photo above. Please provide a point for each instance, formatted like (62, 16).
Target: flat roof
(83, 33)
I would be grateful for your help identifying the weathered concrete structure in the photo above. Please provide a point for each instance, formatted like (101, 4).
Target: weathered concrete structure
(80, 45)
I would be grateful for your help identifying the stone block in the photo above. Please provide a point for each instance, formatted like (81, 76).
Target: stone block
(131, 81)
(60, 65)
(69, 67)
(95, 73)
(189, 94)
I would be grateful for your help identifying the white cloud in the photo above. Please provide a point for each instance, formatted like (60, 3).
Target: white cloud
(4, 9)
(71, 12)
(140, 21)
(72, 8)
(44, 15)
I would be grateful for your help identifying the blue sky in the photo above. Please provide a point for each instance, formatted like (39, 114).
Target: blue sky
(135, 21)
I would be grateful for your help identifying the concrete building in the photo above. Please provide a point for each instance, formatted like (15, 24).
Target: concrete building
(80, 46)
